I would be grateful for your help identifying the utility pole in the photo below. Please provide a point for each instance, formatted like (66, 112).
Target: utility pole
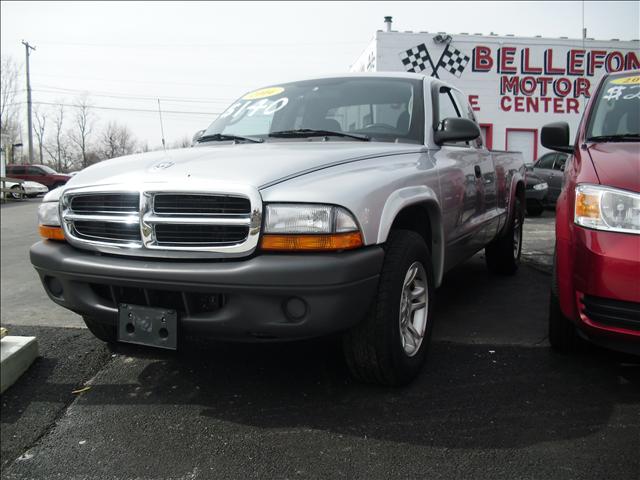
(29, 120)
(164, 147)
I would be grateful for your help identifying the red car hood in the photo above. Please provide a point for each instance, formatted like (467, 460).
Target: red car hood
(617, 164)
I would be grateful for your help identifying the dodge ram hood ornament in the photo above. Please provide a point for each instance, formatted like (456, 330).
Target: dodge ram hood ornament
(162, 166)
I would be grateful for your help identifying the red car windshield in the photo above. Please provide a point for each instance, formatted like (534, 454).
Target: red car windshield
(616, 114)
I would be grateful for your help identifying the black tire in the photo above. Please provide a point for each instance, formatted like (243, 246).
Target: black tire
(534, 209)
(374, 349)
(501, 255)
(563, 335)
(105, 332)
(17, 192)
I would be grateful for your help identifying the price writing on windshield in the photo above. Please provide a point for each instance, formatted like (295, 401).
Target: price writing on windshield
(616, 93)
(251, 108)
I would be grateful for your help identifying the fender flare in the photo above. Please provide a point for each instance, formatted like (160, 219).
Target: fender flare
(426, 198)
(516, 178)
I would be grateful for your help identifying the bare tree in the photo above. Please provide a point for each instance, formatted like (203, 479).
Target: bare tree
(83, 127)
(9, 105)
(184, 142)
(39, 129)
(59, 149)
(116, 140)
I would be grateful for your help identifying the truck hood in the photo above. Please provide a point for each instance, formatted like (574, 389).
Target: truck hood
(617, 164)
(257, 165)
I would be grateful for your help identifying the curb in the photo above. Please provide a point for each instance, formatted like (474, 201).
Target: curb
(16, 355)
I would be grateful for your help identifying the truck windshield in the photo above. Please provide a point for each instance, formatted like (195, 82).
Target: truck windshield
(355, 108)
(616, 115)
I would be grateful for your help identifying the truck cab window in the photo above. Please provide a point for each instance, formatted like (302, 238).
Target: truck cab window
(447, 108)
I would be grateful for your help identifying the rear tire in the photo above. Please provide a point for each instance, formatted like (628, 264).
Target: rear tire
(103, 331)
(389, 346)
(563, 335)
(503, 254)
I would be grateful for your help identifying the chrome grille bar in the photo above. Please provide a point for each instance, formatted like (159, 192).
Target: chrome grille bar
(206, 224)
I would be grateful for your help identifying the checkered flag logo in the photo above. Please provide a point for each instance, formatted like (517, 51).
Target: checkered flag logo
(415, 59)
(453, 61)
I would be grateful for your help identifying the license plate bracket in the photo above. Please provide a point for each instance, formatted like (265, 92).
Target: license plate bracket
(155, 327)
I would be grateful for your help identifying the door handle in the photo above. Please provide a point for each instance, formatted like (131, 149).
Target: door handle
(478, 171)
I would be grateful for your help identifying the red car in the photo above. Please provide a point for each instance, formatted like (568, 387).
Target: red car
(38, 173)
(595, 293)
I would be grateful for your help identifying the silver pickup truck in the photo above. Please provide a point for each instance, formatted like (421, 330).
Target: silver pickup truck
(325, 206)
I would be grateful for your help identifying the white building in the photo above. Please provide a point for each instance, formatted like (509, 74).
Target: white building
(515, 84)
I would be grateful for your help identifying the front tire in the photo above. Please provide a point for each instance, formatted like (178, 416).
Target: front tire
(17, 192)
(390, 345)
(563, 335)
(503, 254)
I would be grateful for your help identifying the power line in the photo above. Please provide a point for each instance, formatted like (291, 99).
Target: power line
(128, 96)
(55, 104)
(147, 82)
(203, 45)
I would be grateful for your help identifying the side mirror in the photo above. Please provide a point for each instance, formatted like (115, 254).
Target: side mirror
(529, 167)
(562, 168)
(555, 136)
(196, 137)
(456, 130)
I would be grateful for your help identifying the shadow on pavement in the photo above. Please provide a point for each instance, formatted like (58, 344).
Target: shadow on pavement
(467, 397)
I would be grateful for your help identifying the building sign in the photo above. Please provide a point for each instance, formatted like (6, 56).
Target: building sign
(531, 80)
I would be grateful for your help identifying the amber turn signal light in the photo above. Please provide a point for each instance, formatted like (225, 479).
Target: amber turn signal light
(308, 243)
(587, 205)
(51, 233)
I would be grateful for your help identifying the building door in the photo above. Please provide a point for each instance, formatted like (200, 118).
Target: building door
(523, 140)
(486, 129)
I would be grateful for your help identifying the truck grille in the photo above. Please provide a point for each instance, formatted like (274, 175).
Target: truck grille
(167, 234)
(104, 231)
(163, 223)
(108, 203)
(174, 204)
(613, 313)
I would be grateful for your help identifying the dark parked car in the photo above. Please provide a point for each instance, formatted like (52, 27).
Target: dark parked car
(550, 168)
(536, 194)
(38, 173)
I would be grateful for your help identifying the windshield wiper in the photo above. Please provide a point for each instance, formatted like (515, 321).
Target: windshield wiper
(220, 137)
(309, 132)
(615, 138)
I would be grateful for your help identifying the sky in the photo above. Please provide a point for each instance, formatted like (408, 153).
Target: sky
(198, 57)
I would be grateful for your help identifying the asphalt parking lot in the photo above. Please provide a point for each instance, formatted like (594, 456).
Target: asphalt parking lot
(493, 401)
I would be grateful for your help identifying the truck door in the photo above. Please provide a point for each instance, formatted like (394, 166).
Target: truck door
(463, 204)
(487, 185)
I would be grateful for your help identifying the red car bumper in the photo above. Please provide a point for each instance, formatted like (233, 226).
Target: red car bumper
(599, 286)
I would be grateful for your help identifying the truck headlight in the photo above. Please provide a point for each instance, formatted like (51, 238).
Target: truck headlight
(49, 221)
(540, 186)
(605, 208)
(309, 227)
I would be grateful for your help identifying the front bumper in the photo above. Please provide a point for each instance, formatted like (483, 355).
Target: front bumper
(606, 286)
(35, 191)
(536, 195)
(285, 296)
